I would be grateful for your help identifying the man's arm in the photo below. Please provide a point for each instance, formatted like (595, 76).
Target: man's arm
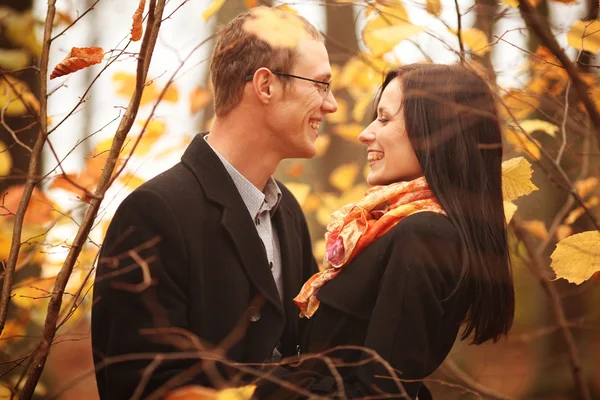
(140, 286)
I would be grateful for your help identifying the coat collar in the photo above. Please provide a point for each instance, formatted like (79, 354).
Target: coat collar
(220, 189)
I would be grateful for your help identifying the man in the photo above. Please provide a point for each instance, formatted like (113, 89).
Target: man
(212, 251)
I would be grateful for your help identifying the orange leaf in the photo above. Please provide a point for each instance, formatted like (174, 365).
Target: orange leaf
(294, 170)
(39, 210)
(251, 3)
(199, 98)
(563, 231)
(136, 28)
(63, 18)
(78, 58)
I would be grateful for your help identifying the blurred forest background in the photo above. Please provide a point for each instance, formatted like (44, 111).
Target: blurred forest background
(56, 137)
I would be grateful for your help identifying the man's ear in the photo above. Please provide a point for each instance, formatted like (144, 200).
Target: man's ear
(263, 83)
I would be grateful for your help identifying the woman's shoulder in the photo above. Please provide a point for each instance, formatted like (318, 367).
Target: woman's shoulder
(426, 224)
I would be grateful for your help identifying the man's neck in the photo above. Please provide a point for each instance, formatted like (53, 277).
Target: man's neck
(245, 148)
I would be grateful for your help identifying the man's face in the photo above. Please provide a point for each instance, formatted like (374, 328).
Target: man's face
(299, 112)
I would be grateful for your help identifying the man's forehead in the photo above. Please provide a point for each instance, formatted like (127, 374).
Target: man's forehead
(313, 59)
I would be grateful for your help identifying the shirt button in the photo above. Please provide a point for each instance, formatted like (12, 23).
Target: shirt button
(253, 314)
(271, 264)
(257, 221)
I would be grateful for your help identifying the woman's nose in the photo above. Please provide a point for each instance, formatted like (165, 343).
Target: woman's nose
(366, 136)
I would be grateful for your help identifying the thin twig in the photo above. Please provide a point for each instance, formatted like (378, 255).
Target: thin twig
(459, 31)
(563, 129)
(537, 268)
(547, 38)
(31, 173)
(49, 331)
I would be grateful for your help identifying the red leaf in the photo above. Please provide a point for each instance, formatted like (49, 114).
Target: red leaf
(78, 58)
(136, 28)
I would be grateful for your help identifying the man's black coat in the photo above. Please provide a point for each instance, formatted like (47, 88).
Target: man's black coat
(182, 255)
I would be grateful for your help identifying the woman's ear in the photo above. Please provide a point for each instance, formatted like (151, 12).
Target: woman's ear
(263, 82)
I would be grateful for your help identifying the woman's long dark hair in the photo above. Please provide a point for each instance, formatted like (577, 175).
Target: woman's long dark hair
(452, 123)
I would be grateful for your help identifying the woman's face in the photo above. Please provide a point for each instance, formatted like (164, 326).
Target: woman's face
(389, 152)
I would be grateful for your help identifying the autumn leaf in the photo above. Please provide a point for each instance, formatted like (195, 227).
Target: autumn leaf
(585, 186)
(509, 210)
(12, 332)
(311, 203)
(343, 177)
(63, 18)
(516, 178)
(362, 73)
(433, 7)
(154, 131)
(349, 131)
(475, 39)
(125, 83)
(32, 292)
(276, 27)
(212, 9)
(39, 210)
(536, 228)
(577, 257)
(137, 28)
(199, 98)
(521, 102)
(130, 181)
(295, 170)
(204, 393)
(14, 59)
(537, 125)
(523, 143)
(360, 108)
(21, 30)
(382, 38)
(299, 190)
(510, 3)
(251, 3)
(78, 58)
(579, 211)
(322, 144)
(585, 35)
(5, 160)
(341, 115)
(563, 231)
(15, 96)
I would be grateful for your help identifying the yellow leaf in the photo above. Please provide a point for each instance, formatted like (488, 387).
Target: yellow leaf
(15, 96)
(343, 177)
(299, 190)
(522, 102)
(475, 39)
(154, 131)
(536, 228)
(322, 144)
(311, 203)
(295, 170)
(125, 83)
(362, 73)
(509, 210)
(14, 59)
(516, 178)
(199, 98)
(131, 181)
(21, 30)
(214, 7)
(33, 292)
(381, 38)
(349, 131)
(360, 108)
(585, 35)
(251, 3)
(319, 249)
(5, 160)
(12, 332)
(577, 257)
(585, 186)
(533, 125)
(433, 7)
(563, 231)
(578, 212)
(341, 115)
(196, 392)
(510, 3)
(276, 27)
(287, 8)
(522, 143)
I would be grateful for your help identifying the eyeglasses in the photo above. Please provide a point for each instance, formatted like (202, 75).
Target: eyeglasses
(324, 87)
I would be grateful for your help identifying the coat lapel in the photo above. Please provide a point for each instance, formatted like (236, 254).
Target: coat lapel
(289, 243)
(219, 188)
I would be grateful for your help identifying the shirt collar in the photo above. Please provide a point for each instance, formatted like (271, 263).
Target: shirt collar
(255, 200)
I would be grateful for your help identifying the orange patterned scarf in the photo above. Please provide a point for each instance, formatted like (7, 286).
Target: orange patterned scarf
(356, 225)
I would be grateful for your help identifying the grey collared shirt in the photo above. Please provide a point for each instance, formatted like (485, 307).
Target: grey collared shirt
(261, 206)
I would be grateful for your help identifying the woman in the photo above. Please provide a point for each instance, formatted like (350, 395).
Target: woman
(425, 250)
